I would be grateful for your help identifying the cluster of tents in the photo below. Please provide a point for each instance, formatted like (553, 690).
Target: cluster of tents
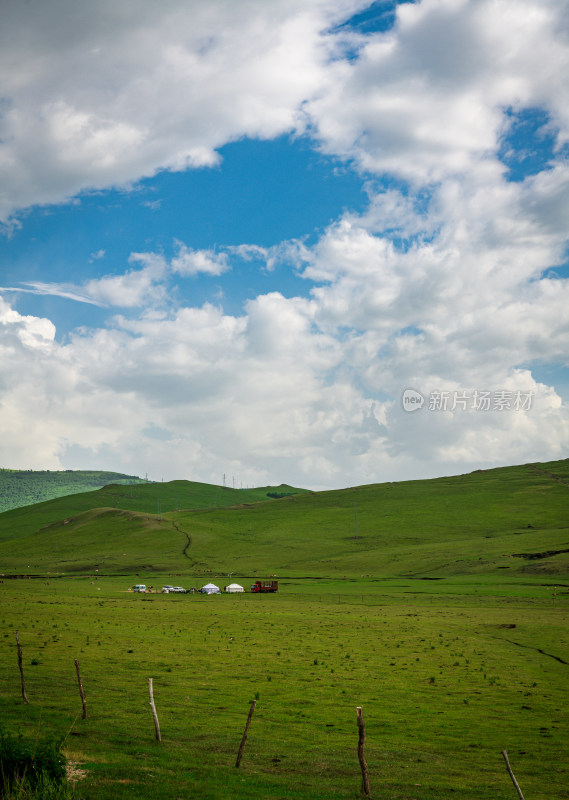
(211, 588)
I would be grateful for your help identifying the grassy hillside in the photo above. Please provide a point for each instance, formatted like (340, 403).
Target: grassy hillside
(146, 498)
(23, 487)
(512, 521)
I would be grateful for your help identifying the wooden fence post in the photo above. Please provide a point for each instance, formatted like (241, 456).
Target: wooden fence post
(154, 714)
(21, 666)
(361, 757)
(81, 692)
(244, 739)
(512, 776)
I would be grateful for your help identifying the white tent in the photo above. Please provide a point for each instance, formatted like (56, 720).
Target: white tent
(233, 588)
(210, 588)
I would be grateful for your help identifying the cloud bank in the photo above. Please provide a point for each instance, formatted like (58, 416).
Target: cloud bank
(445, 283)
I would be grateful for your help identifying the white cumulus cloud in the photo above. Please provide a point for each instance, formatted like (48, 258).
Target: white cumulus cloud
(194, 262)
(101, 94)
(426, 100)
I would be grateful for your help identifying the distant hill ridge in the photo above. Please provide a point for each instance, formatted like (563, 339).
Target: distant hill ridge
(66, 493)
(20, 488)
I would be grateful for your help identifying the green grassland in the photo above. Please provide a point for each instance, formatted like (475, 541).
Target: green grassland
(446, 680)
(440, 607)
(23, 487)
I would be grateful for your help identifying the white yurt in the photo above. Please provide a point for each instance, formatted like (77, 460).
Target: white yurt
(210, 588)
(234, 588)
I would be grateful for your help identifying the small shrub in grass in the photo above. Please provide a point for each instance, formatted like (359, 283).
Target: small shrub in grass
(29, 764)
(44, 788)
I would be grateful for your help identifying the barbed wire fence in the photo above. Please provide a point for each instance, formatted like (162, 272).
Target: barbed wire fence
(319, 740)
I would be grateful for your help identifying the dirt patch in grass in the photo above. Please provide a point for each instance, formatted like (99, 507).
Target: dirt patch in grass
(74, 772)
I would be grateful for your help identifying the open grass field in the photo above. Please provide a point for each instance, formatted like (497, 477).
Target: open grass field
(448, 673)
(440, 607)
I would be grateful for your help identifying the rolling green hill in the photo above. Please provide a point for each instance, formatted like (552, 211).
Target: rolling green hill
(147, 498)
(20, 488)
(514, 520)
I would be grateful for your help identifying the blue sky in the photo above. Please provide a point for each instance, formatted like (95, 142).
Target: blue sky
(234, 235)
(262, 192)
